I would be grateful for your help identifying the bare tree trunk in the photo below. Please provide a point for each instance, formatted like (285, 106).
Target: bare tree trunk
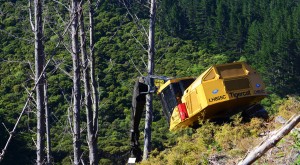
(92, 144)
(92, 68)
(270, 142)
(39, 64)
(95, 96)
(76, 82)
(48, 140)
(149, 97)
(13, 131)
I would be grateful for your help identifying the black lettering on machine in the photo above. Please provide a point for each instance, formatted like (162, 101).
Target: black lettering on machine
(259, 92)
(239, 94)
(217, 98)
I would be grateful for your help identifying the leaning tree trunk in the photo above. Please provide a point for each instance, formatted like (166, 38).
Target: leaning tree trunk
(149, 97)
(92, 144)
(39, 64)
(76, 82)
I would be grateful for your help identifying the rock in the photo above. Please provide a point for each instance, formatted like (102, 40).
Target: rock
(280, 119)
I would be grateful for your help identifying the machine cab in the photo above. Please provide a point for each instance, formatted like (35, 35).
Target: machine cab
(171, 93)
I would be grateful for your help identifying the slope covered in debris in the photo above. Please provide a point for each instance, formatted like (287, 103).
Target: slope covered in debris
(228, 143)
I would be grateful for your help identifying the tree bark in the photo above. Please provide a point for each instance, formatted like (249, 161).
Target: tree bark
(95, 95)
(270, 142)
(47, 112)
(39, 64)
(13, 131)
(149, 97)
(92, 71)
(92, 143)
(76, 82)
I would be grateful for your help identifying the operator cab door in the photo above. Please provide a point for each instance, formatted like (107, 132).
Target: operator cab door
(171, 96)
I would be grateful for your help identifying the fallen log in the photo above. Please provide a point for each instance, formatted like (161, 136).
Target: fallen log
(258, 151)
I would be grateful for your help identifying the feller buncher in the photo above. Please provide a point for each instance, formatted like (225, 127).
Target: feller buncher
(219, 92)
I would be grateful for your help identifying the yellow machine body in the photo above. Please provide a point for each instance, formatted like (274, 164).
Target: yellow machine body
(220, 92)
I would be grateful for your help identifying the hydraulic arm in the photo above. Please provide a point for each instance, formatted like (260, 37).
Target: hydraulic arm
(141, 88)
(138, 103)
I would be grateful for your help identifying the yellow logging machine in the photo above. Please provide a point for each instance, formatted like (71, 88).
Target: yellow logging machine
(219, 92)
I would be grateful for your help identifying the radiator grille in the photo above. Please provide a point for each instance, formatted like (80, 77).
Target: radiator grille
(237, 84)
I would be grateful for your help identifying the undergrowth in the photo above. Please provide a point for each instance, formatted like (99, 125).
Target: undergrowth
(227, 143)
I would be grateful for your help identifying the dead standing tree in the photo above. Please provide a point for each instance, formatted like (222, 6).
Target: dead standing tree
(76, 82)
(95, 95)
(39, 65)
(150, 69)
(47, 122)
(91, 134)
(149, 97)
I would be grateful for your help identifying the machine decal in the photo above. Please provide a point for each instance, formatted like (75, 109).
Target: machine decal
(215, 91)
(259, 92)
(239, 94)
(217, 98)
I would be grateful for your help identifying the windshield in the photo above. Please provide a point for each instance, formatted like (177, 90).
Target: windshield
(171, 96)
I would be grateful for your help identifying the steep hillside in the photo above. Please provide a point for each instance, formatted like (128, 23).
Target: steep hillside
(228, 143)
(190, 36)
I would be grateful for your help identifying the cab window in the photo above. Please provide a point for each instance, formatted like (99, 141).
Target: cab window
(171, 96)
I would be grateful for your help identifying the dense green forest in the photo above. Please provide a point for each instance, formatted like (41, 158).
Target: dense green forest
(190, 36)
